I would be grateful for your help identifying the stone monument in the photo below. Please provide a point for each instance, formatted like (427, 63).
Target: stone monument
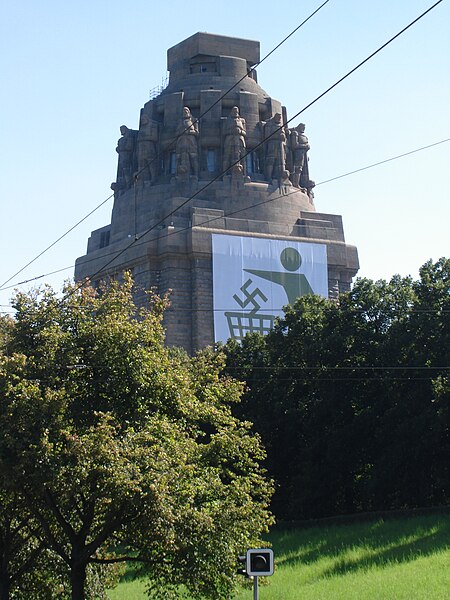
(213, 202)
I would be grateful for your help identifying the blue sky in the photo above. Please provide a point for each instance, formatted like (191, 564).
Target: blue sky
(73, 72)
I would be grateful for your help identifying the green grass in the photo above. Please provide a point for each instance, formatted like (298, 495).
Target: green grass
(403, 559)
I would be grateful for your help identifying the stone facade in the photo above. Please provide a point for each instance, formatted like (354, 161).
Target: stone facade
(171, 191)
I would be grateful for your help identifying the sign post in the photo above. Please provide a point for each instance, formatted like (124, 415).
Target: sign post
(258, 562)
(255, 587)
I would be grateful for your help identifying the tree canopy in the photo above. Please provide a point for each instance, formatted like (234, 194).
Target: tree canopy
(118, 448)
(352, 399)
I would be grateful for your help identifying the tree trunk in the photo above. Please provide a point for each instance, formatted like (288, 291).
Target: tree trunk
(4, 588)
(77, 581)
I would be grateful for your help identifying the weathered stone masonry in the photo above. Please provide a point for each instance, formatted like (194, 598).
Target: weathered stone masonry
(180, 148)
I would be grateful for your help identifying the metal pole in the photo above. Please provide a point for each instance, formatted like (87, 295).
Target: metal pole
(255, 588)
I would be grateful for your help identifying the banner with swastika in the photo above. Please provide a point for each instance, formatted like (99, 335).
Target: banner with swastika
(253, 278)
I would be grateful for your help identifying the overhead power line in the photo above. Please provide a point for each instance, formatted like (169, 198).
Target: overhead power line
(137, 238)
(157, 157)
(172, 212)
(249, 71)
(351, 379)
(382, 162)
(272, 199)
(363, 62)
(56, 241)
(325, 368)
(10, 287)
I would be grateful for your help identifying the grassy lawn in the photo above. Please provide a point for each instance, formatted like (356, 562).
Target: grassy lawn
(404, 559)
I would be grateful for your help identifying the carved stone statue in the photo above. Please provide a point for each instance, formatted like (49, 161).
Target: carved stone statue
(234, 141)
(147, 137)
(300, 146)
(187, 145)
(126, 165)
(275, 159)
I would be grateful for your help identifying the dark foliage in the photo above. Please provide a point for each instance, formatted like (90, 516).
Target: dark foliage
(352, 400)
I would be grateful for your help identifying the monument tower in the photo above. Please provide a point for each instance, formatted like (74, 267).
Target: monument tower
(213, 200)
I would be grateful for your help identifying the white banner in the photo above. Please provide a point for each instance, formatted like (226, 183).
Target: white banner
(253, 278)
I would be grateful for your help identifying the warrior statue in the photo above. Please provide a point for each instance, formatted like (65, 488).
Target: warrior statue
(234, 141)
(300, 147)
(147, 137)
(126, 166)
(187, 148)
(275, 160)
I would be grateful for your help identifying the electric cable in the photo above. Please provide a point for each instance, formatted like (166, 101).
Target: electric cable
(349, 368)
(350, 379)
(177, 231)
(283, 125)
(382, 162)
(9, 287)
(224, 94)
(263, 141)
(56, 241)
(306, 379)
(158, 155)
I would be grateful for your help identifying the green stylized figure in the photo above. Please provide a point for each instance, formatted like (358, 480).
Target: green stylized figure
(294, 284)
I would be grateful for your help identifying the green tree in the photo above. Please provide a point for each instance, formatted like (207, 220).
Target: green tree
(413, 443)
(351, 399)
(124, 450)
(18, 544)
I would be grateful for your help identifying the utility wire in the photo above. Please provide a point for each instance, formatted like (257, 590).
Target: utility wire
(9, 287)
(56, 241)
(261, 143)
(362, 62)
(349, 368)
(348, 379)
(209, 220)
(358, 66)
(175, 232)
(282, 126)
(287, 37)
(247, 74)
(157, 157)
(305, 379)
(382, 162)
(263, 202)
